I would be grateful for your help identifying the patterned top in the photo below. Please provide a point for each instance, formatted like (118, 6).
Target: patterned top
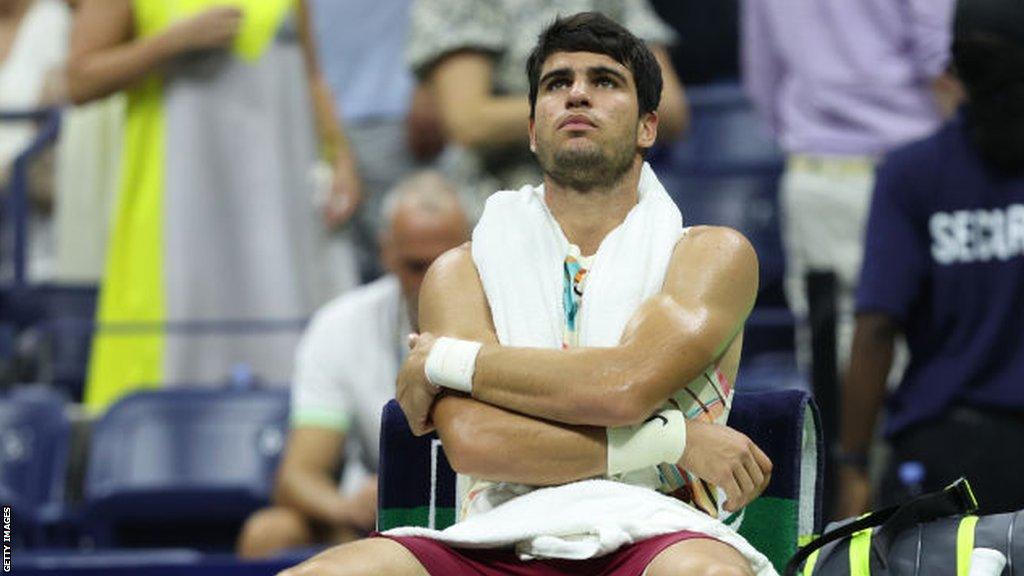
(707, 398)
(576, 267)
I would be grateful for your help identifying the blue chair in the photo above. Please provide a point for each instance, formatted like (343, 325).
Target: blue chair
(34, 447)
(417, 484)
(182, 466)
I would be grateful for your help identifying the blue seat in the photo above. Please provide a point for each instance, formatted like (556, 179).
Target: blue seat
(46, 333)
(34, 447)
(417, 484)
(182, 466)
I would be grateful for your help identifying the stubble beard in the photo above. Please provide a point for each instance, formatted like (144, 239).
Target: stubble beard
(585, 169)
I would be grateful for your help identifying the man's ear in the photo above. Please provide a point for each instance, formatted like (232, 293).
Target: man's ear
(647, 130)
(533, 136)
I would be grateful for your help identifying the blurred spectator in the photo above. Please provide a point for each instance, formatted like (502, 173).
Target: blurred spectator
(33, 47)
(473, 53)
(346, 368)
(944, 265)
(87, 174)
(88, 167)
(840, 83)
(708, 50)
(213, 262)
(360, 44)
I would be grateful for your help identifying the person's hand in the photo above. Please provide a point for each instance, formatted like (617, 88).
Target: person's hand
(415, 393)
(208, 30)
(359, 510)
(728, 459)
(345, 195)
(854, 496)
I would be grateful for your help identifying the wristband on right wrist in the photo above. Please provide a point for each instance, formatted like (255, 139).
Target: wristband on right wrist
(661, 438)
(451, 363)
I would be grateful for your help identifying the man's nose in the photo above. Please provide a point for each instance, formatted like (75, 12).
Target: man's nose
(579, 95)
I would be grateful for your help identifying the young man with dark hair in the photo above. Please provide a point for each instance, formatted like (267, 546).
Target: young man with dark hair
(587, 348)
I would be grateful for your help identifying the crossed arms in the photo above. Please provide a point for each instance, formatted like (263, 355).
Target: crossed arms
(538, 416)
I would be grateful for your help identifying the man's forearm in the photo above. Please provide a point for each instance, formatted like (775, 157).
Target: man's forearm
(864, 388)
(491, 443)
(312, 494)
(616, 386)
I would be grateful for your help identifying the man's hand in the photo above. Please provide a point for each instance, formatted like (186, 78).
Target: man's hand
(854, 496)
(359, 510)
(728, 459)
(415, 393)
(345, 195)
(210, 29)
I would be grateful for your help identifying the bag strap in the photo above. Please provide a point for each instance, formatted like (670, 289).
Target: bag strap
(957, 498)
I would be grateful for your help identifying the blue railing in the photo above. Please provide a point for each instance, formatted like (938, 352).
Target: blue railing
(16, 196)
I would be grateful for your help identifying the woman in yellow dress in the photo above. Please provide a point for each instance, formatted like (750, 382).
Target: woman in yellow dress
(214, 255)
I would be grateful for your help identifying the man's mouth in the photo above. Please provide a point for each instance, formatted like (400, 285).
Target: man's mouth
(576, 122)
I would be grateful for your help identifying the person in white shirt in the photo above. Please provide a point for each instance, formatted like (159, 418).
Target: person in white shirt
(346, 366)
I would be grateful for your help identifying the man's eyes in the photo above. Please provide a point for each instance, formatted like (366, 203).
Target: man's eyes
(558, 84)
(601, 81)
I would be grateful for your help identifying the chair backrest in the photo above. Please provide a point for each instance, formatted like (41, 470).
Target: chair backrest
(34, 440)
(417, 484)
(185, 454)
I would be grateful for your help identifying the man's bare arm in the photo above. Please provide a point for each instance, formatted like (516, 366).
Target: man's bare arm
(673, 337)
(471, 114)
(106, 56)
(871, 359)
(489, 442)
(486, 441)
(305, 479)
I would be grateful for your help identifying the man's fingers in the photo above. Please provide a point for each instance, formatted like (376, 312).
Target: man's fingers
(748, 488)
(756, 474)
(762, 459)
(733, 495)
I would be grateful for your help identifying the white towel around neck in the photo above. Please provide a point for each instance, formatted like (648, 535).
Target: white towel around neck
(519, 251)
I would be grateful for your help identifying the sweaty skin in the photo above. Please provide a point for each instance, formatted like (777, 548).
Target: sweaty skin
(550, 406)
(501, 443)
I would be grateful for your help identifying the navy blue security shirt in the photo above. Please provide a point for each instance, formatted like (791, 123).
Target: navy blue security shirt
(944, 256)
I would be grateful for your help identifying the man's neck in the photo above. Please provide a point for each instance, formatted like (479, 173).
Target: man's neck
(587, 217)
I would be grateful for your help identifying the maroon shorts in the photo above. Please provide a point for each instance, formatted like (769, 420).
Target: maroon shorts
(442, 560)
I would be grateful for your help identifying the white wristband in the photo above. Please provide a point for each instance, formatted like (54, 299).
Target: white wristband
(451, 363)
(661, 438)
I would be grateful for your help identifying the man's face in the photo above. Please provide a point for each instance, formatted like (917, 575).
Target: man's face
(586, 126)
(415, 240)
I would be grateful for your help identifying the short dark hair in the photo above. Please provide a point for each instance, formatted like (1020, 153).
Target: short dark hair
(595, 32)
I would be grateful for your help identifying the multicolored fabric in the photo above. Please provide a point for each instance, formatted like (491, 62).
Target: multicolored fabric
(576, 267)
(707, 398)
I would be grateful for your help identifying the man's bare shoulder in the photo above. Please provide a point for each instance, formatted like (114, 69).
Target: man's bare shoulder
(708, 255)
(452, 300)
(453, 265)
